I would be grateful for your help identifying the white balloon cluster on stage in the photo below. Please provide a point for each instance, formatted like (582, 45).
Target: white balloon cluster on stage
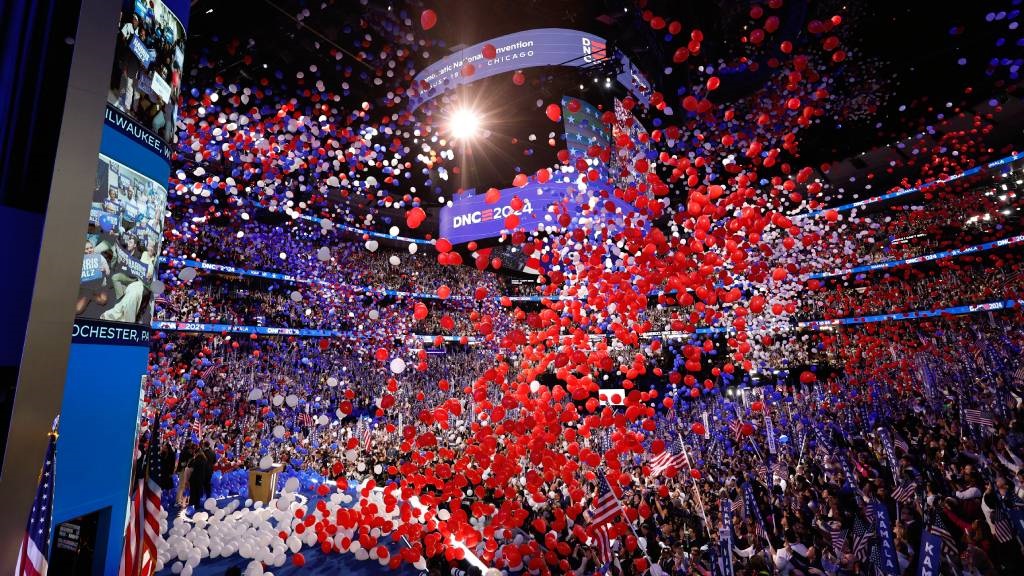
(253, 531)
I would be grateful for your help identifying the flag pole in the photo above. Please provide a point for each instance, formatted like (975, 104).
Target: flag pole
(803, 444)
(629, 523)
(696, 489)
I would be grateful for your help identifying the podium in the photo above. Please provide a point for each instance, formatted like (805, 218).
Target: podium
(262, 483)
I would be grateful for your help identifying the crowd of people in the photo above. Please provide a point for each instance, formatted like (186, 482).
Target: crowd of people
(816, 459)
(912, 290)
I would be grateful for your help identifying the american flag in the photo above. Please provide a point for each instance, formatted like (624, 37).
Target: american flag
(937, 526)
(876, 558)
(861, 538)
(368, 437)
(604, 545)
(197, 427)
(978, 417)
(1018, 376)
(781, 470)
(165, 303)
(662, 462)
(869, 512)
(35, 547)
(838, 537)
(1003, 531)
(140, 554)
(606, 507)
(738, 507)
(736, 427)
(306, 419)
(210, 371)
(762, 473)
(905, 493)
(900, 442)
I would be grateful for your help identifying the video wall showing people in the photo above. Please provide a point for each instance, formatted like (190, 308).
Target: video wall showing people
(148, 60)
(122, 245)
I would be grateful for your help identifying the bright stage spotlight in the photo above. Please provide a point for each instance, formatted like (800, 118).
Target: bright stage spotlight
(464, 124)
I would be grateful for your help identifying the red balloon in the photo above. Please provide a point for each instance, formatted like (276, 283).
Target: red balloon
(698, 429)
(518, 78)
(553, 112)
(299, 560)
(489, 51)
(694, 473)
(757, 406)
(428, 19)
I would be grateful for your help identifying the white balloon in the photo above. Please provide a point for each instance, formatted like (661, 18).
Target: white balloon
(292, 400)
(371, 245)
(397, 365)
(296, 296)
(292, 485)
(279, 431)
(265, 463)
(413, 248)
(332, 381)
(374, 315)
(394, 260)
(323, 254)
(277, 400)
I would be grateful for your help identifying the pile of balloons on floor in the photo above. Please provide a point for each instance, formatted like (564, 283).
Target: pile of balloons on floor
(271, 535)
